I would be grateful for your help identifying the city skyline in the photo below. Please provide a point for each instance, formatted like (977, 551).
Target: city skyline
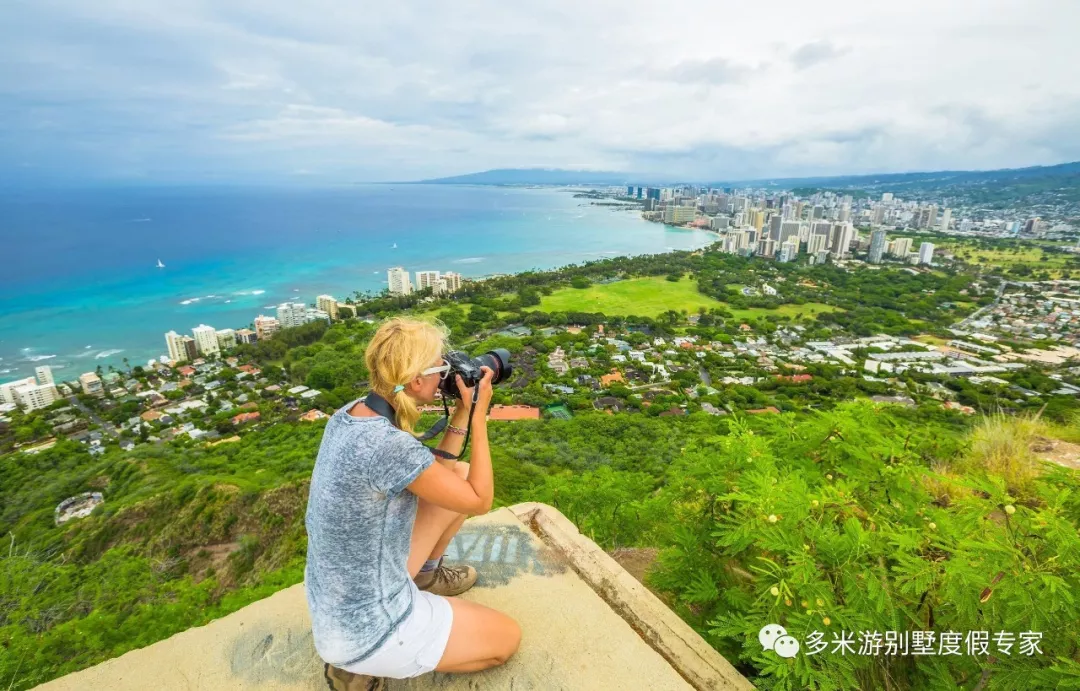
(332, 93)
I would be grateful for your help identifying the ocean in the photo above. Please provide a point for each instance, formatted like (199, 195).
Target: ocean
(80, 285)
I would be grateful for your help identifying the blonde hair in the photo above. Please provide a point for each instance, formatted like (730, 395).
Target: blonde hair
(396, 355)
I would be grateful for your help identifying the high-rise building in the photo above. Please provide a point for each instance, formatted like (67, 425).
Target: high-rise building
(246, 336)
(877, 246)
(427, 279)
(819, 211)
(290, 314)
(311, 315)
(36, 396)
(175, 344)
(679, 214)
(187, 343)
(842, 234)
(886, 197)
(946, 219)
(926, 253)
(766, 247)
(226, 339)
(788, 251)
(844, 215)
(44, 375)
(206, 340)
(789, 230)
(900, 247)
(822, 256)
(91, 384)
(7, 389)
(774, 226)
(328, 304)
(266, 327)
(756, 219)
(816, 242)
(453, 281)
(877, 215)
(398, 280)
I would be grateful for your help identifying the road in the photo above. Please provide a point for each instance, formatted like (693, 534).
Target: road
(105, 426)
(974, 316)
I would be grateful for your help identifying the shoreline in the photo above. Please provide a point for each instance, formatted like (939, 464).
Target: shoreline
(234, 299)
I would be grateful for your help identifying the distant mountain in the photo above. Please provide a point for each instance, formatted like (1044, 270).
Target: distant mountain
(538, 176)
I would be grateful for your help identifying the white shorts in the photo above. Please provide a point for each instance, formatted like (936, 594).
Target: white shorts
(416, 645)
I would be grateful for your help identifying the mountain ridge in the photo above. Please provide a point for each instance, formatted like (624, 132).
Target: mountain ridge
(560, 176)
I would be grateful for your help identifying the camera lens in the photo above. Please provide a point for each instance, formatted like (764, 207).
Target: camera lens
(499, 362)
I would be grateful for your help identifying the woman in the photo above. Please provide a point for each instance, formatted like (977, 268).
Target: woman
(381, 511)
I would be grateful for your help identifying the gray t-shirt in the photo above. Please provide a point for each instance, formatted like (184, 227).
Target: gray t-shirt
(359, 525)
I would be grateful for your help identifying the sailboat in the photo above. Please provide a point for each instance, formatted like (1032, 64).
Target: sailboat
(160, 265)
(394, 247)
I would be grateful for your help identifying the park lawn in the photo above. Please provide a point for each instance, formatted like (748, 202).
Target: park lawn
(644, 297)
(807, 310)
(654, 295)
(931, 339)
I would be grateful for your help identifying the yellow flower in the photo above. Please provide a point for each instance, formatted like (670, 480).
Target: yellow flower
(826, 621)
(774, 590)
(772, 518)
(820, 602)
(1010, 509)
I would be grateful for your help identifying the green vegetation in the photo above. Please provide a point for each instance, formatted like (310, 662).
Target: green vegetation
(838, 514)
(647, 297)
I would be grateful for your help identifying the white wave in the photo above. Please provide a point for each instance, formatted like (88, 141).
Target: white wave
(189, 301)
(140, 220)
(469, 260)
(257, 292)
(210, 296)
(108, 353)
(228, 301)
(89, 346)
(58, 366)
(39, 358)
(5, 371)
(269, 307)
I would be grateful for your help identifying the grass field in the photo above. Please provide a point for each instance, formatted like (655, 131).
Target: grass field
(651, 296)
(931, 339)
(1030, 255)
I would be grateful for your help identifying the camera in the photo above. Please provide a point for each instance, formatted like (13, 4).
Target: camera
(469, 369)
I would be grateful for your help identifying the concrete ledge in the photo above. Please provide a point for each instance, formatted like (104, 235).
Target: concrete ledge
(686, 651)
(586, 623)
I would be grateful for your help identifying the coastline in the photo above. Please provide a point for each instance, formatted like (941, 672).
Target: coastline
(75, 325)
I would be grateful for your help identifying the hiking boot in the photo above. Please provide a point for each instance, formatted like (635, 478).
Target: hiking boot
(446, 580)
(340, 680)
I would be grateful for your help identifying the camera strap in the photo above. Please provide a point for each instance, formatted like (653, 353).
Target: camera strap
(382, 407)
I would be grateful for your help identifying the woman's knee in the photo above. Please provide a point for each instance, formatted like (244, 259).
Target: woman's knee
(513, 640)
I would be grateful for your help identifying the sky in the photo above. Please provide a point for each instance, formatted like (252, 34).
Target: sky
(333, 91)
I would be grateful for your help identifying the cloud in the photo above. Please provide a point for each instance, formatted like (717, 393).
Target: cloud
(810, 54)
(181, 90)
(714, 71)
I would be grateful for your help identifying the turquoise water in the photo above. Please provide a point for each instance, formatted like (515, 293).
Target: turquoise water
(81, 288)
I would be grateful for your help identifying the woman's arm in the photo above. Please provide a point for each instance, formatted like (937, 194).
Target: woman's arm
(440, 485)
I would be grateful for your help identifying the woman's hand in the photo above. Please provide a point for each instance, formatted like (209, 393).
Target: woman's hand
(483, 396)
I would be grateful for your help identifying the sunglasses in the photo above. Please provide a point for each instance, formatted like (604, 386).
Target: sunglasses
(443, 370)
